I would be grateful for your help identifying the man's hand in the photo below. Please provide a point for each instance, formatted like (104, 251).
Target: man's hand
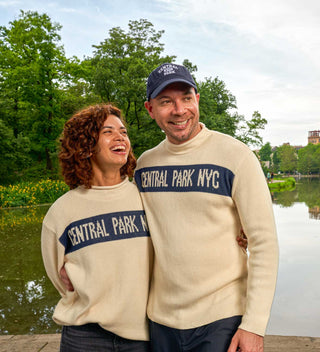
(245, 341)
(65, 279)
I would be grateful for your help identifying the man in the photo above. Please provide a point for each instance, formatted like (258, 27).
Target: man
(199, 188)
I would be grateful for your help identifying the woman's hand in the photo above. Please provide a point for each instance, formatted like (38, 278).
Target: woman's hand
(242, 240)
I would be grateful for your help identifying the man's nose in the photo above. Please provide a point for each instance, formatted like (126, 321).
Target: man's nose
(178, 107)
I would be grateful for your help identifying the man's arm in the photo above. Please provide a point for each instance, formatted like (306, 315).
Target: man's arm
(253, 202)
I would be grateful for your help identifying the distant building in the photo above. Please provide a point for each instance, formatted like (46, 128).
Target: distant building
(314, 137)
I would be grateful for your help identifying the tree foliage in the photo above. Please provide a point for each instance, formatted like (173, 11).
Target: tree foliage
(217, 111)
(31, 66)
(275, 161)
(309, 159)
(40, 89)
(215, 103)
(122, 63)
(13, 152)
(265, 152)
(288, 158)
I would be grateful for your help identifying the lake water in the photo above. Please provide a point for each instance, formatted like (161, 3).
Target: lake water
(27, 298)
(296, 307)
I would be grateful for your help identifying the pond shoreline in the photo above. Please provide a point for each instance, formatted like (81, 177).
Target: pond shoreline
(50, 343)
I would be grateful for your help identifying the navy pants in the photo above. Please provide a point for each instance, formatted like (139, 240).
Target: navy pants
(93, 338)
(213, 337)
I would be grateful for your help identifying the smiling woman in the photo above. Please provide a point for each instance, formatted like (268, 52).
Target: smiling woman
(83, 141)
(88, 232)
(111, 152)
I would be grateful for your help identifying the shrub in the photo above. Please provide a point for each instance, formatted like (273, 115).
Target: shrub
(31, 193)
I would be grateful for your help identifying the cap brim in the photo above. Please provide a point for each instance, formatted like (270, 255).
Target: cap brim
(156, 92)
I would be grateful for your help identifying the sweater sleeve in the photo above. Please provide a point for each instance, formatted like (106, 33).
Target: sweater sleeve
(53, 257)
(253, 201)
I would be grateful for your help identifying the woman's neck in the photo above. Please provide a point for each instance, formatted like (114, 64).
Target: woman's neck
(107, 179)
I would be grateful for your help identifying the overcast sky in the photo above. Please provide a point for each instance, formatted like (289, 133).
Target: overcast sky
(266, 52)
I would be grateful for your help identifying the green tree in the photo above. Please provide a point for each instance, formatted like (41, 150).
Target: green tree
(309, 159)
(317, 159)
(122, 64)
(217, 106)
(32, 64)
(13, 153)
(248, 130)
(215, 103)
(77, 92)
(265, 152)
(275, 161)
(288, 158)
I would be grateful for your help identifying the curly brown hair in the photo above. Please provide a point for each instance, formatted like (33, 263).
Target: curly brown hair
(78, 143)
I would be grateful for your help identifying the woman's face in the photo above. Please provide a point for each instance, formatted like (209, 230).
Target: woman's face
(113, 146)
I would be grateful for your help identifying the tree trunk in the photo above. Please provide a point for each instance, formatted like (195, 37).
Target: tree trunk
(48, 160)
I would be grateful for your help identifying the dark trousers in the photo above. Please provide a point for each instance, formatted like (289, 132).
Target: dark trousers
(213, 337)
(93, 338)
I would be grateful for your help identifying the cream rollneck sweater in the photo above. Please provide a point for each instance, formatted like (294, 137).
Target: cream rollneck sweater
(101, 236)
(197, 196)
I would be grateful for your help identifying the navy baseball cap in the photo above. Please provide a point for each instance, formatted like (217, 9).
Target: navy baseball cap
(166, 74)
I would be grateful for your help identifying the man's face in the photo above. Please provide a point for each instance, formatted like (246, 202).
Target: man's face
(176, 112)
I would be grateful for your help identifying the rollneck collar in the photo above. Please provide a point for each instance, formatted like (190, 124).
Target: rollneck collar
(118, 185)
(189, 145)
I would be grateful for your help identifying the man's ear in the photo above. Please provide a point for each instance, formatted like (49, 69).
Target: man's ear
(148, 106)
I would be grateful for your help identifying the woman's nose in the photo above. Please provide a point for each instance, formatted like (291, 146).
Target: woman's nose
(119, 136)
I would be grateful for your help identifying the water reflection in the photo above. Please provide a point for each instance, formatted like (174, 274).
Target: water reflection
(27, 297)
(296, 307)
(314, 213)
(307, 191)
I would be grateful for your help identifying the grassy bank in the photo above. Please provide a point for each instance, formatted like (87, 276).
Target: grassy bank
(31, 193)
(285, 184)
(47, 191)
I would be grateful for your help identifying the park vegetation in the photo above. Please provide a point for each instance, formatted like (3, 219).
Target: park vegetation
(288, 159)
(41, 88)
(287, 185)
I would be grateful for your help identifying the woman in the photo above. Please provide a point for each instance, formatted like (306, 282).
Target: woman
(97, 232)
